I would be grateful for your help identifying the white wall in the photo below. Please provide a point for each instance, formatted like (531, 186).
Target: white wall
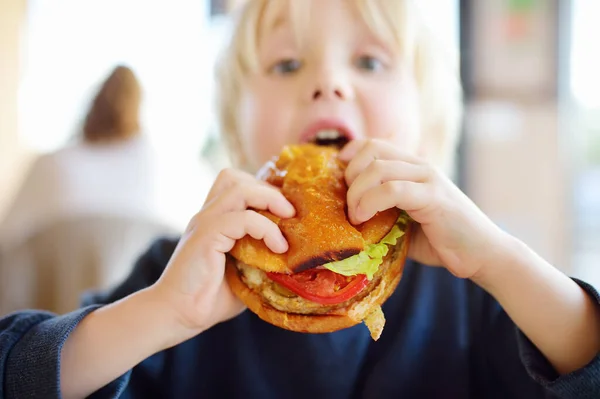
(518, 173)
(13, 155)
(72, 45)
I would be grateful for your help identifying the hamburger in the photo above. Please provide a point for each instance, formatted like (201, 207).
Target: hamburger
(335, 274)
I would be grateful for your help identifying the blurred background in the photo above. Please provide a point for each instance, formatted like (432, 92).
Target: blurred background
(530, 154)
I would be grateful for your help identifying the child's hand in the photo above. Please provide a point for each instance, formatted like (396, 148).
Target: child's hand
(193, 282)
(453, 232)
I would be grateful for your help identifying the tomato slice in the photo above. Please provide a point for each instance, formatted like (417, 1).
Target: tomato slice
(321, 285)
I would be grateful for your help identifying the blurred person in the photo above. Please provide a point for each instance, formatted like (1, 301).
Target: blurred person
(111, 175)
(112, 168)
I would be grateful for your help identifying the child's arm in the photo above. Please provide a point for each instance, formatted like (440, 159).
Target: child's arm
(557, 315)
(113, 339)
(552, 310)
(189, 297)
(31, 341)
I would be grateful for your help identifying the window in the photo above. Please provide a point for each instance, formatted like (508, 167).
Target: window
(584, 81)
(585, 56)
(73, 44)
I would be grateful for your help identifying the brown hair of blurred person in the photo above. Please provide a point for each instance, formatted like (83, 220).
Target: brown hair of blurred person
(114, 114)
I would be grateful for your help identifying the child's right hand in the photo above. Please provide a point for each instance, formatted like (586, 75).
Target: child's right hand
(190, 297)
(193, 282)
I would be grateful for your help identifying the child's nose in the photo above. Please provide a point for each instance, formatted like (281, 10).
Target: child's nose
(328, 94)
(331, 86)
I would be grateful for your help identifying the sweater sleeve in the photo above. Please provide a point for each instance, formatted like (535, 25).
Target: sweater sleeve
(30, 348)
(513, 367)
(581, 384)
(31, 341)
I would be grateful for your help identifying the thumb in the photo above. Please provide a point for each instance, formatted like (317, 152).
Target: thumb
(421, 250)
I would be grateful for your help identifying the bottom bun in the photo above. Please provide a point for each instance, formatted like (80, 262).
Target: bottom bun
(356, 312)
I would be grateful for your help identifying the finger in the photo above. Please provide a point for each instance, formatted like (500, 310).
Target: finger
(235, 225)
(406, 195)
(351, 149)
(421, 250)
(228, 178)
(380, 172)
(225, 179)
(374, 150)
(256, 196)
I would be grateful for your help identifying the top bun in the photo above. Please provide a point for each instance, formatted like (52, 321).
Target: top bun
(311, 177)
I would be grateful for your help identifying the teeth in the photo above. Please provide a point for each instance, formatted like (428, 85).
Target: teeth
(328, 134)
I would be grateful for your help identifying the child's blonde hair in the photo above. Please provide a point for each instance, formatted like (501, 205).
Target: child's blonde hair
(396, 21)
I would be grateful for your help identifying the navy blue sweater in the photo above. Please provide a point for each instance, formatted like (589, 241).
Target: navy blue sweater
(444, 338)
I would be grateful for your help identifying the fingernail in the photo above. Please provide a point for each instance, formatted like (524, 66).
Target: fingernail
(344, 155)
(353, 217)
(291, 211)
(349, 150)
(359, 215)
(283, 244)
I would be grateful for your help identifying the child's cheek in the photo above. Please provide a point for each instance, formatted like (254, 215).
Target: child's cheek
(396, 118)
(262, 129)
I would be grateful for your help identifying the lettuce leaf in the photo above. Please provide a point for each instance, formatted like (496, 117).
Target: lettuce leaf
(367, 261)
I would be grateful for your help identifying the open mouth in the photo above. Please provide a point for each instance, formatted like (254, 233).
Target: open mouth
(330, 137)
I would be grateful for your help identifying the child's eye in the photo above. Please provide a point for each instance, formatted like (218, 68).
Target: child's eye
(286, 67)
(369, 63)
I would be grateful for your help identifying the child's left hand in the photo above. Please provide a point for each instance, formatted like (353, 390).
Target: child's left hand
(452, 231)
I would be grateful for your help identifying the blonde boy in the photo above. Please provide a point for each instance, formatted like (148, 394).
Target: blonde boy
(494, 321)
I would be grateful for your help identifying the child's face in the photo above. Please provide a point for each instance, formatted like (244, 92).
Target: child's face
(339, 75)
